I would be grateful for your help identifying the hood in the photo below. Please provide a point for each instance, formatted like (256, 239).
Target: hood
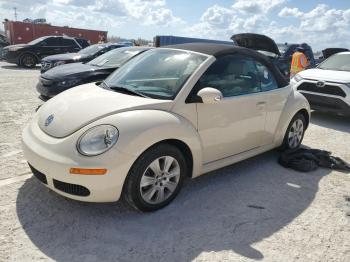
(16, 47)
(71, 70)
(256, 42)
(65, 57)
(326, 75)
(331, 51)
(80, 106)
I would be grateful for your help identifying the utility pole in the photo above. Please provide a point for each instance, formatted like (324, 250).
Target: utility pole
(15, 8)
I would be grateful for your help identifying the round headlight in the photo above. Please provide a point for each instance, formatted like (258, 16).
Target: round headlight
(297, 78)
(97, 140)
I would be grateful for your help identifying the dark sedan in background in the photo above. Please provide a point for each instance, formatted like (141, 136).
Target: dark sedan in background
(84, 55)
(28, 55)
(63, 77)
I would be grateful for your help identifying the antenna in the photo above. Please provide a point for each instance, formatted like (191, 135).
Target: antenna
(15, 8)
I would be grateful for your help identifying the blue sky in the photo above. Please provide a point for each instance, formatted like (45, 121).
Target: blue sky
(322, 23)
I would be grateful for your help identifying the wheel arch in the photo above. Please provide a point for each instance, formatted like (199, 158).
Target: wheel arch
(140, 130)
(28, 53)
(183, 147)
(306, 115)
(296, 103)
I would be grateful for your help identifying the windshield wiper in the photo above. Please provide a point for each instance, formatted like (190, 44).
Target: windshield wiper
(124, 90)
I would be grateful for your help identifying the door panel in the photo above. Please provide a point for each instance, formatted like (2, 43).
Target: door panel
(236, 123)
(232, 126)
(50, 46)
(276, 98)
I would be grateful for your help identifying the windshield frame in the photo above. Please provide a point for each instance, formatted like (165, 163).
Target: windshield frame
(332, 56)
(180, 89)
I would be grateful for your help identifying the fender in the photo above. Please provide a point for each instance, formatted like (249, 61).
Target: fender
(140, 129)
(296, 102)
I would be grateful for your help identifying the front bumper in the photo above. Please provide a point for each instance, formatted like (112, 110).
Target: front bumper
(328, 104)
(332, 97)
(51, 89)
(10, 57)
(51, 159)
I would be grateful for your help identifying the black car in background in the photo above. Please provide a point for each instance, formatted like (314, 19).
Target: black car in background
(328, 52)
(63, 77)
(281, 54)
(28, 55)
(84, 55)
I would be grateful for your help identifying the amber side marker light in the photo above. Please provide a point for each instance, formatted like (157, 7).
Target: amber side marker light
(87, 171)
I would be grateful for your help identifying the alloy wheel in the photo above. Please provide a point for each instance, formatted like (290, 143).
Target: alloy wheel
(28, 61)
(160, 180)
(295, 134)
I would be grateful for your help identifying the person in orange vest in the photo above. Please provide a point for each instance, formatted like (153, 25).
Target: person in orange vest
(299, 62)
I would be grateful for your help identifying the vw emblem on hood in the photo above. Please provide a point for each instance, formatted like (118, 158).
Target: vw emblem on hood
(320, 84)
(49, 120)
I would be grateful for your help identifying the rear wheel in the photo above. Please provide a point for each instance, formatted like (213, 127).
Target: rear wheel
(295, 132)
(28, 61)
(156, 178)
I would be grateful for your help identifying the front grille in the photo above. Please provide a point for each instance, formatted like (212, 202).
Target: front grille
(45, 65)
(327, 89)
(71, 188)
(38, 174)
(326, 102)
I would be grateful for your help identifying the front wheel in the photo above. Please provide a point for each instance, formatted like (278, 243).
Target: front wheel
(295, 132)
(156, 178)
(28, 61)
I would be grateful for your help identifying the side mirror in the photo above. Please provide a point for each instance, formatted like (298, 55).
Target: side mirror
(210, 95)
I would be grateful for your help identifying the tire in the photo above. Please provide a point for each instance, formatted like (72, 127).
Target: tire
(147, 190)
(28, 61)
(295, 133)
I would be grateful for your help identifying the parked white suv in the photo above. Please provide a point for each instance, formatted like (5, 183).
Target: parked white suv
(169, 113)
(327, 87)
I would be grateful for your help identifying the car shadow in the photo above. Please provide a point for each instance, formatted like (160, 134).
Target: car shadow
(340, 123)
(229, 209)
(15, 67)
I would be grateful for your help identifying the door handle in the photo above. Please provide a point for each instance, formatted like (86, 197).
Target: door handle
(261, 105)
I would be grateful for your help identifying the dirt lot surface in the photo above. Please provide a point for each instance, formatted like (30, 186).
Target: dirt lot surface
(254, 210)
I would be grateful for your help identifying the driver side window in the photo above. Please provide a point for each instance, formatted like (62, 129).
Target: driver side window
(52, 41)
(233, 75)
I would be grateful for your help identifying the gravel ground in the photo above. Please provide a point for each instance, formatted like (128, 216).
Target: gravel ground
(254, 210)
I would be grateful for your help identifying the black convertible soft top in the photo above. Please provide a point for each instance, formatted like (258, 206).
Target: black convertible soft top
(218, 50)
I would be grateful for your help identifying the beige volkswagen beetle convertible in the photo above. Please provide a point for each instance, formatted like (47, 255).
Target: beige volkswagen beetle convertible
(168, 114)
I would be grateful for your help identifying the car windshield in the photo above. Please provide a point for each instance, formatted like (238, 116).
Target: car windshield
(338, 62)
(115, 57)
(92, 49)
(157, 73)
(36, 41)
